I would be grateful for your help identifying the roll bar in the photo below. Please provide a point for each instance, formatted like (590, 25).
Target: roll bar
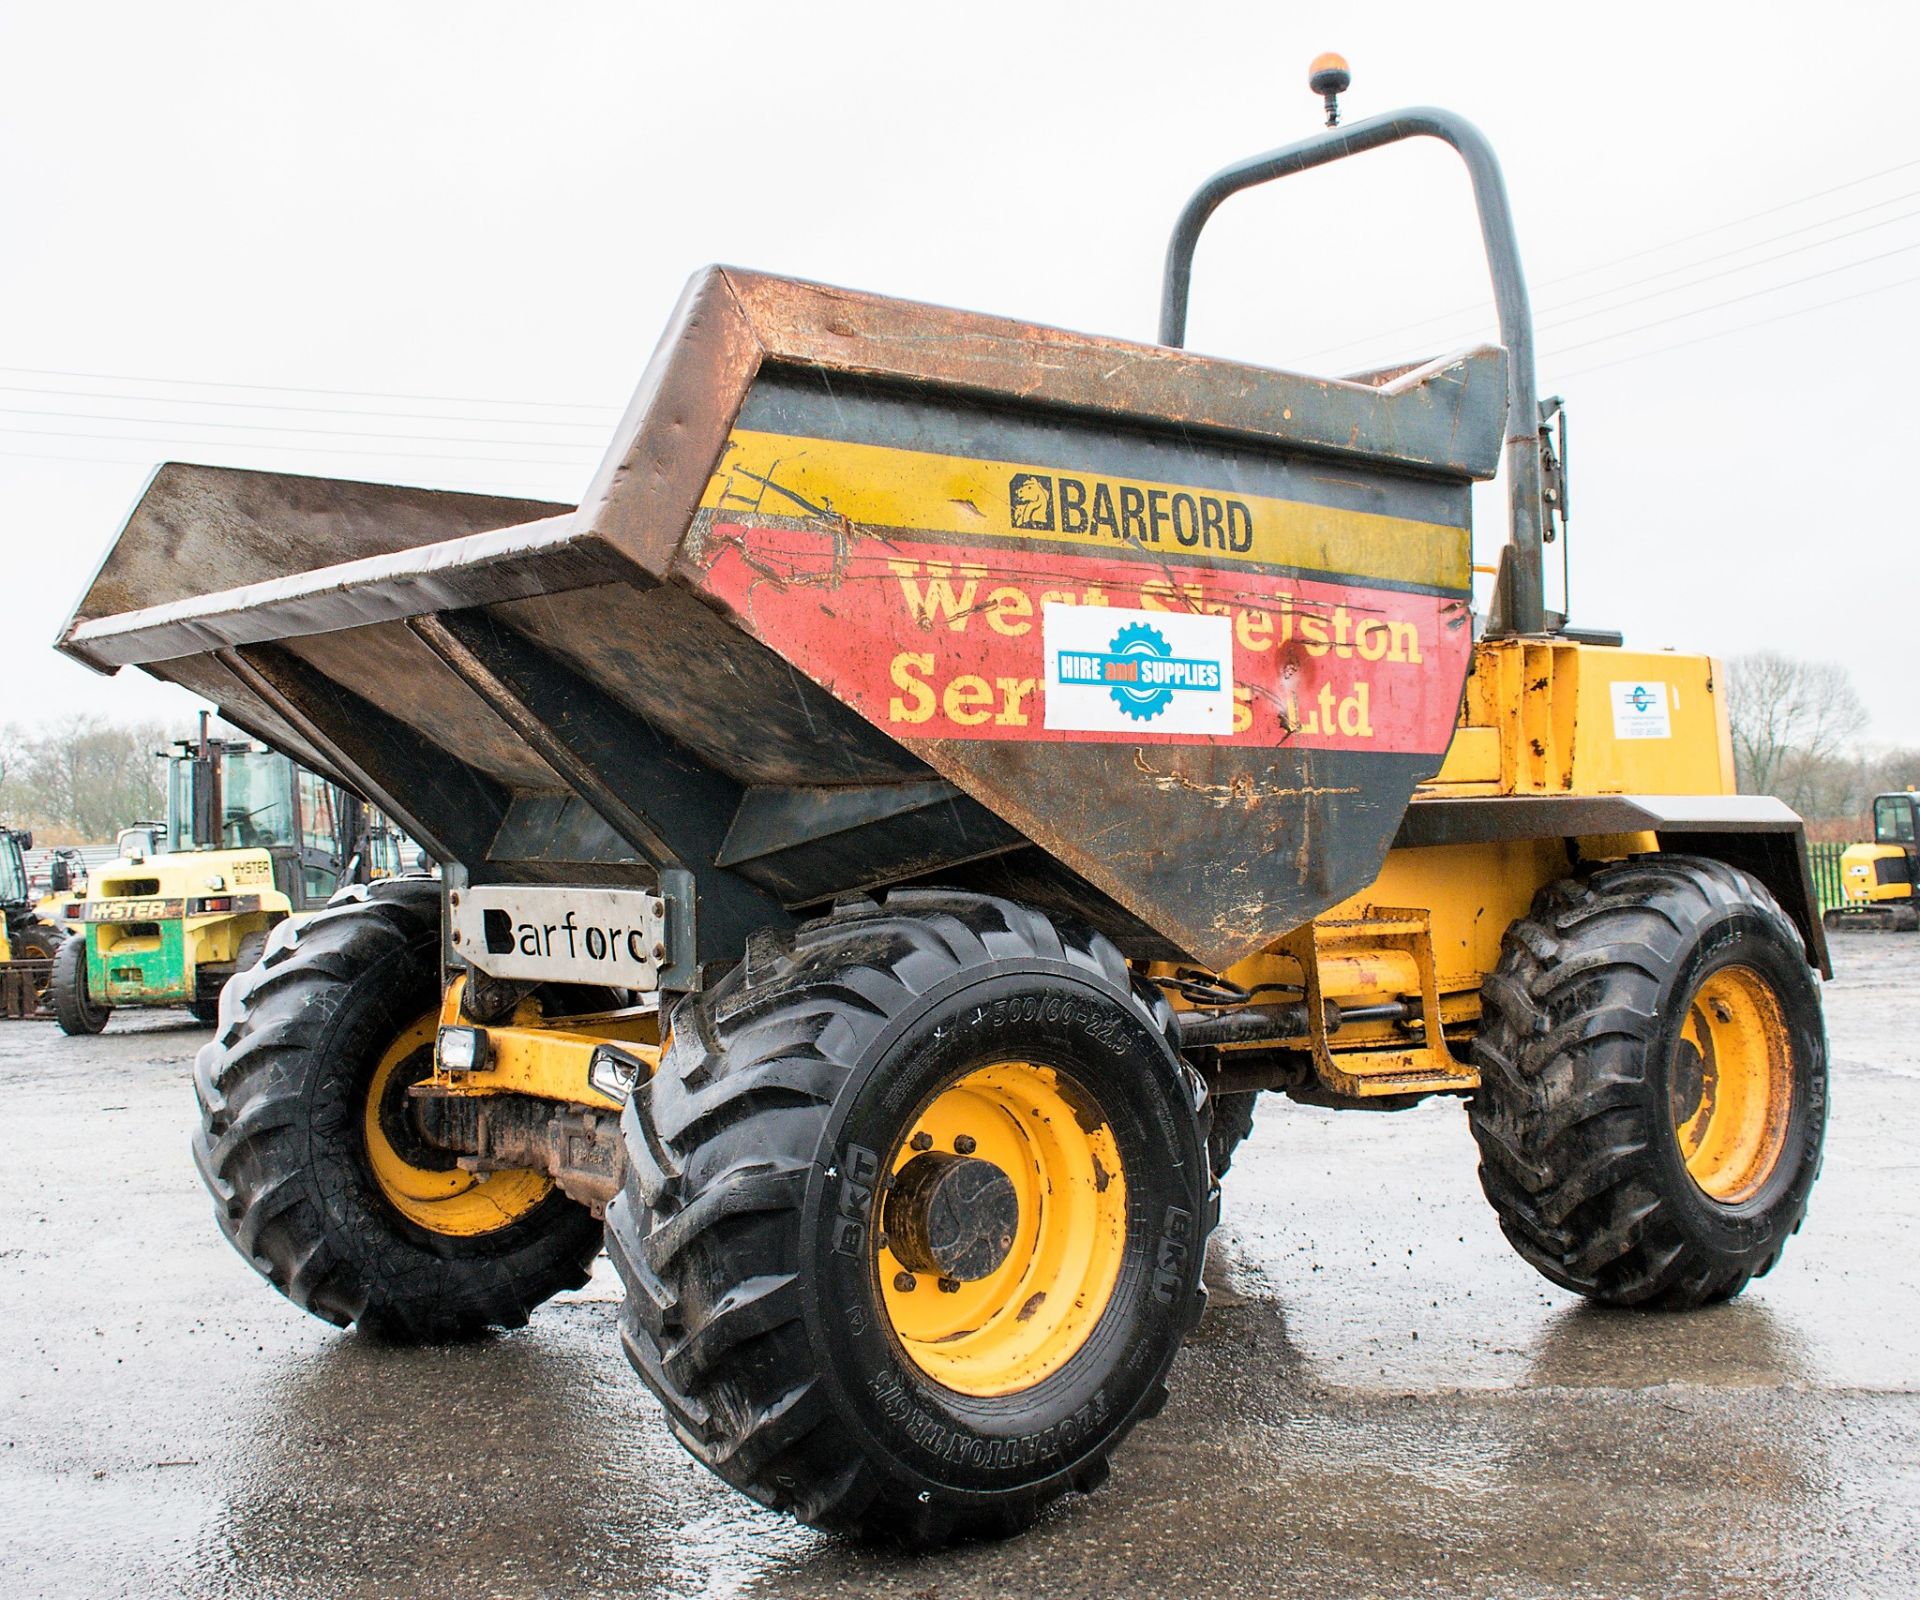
(1521, 595)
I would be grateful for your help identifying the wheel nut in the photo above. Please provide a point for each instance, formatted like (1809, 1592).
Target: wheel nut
(905, 1282)
(921, 1141)
(949, 1285)
(963, 1142)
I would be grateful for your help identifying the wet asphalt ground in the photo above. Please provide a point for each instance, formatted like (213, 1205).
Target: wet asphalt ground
(1382, 1400)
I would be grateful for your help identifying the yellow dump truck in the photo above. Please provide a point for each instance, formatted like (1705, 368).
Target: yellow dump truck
(1008, 755)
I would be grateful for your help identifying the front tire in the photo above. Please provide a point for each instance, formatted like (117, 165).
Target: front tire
(1653, 1091)
(321, 1182)
(74, 1008)
(38, 941)
(913, 1217)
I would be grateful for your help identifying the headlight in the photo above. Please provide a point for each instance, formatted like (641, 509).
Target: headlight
(462, 1049)
(614, 1072)
(216, 881)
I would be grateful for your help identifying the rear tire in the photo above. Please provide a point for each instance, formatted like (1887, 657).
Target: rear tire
(1232, 1122)
(285, 1144)
(38, 941)
(769, 1153)
(1601, 1083)
(247, 953)
(73, 1007)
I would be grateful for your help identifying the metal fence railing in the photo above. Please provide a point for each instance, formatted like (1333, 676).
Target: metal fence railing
(1825, 861)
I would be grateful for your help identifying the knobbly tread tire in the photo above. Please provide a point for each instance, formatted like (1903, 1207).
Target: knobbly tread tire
(1577, 1153)
(73, 1008)
(730, 1148)
(38, 939)
(282, 1150)
(1232, 1122)
(251, 948)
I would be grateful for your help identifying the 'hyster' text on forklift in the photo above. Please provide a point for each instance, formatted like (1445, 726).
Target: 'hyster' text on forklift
(250, 840)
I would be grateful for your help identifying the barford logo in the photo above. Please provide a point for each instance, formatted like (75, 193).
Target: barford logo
(1128, 513)
(1030, 500)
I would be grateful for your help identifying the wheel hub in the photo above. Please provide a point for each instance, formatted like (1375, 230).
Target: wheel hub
(424, 1184)
(951, 1215)
(1003, 1228)
(1731, 1085)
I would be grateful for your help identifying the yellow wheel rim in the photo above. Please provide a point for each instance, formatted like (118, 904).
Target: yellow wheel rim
(454, 1202)
(1732, 1084)
(1040, 1133)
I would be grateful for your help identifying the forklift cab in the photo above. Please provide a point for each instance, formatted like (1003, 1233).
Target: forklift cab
(231, 794)
(13, 869)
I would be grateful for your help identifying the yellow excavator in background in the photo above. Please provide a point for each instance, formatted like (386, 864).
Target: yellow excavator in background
(1878, 879)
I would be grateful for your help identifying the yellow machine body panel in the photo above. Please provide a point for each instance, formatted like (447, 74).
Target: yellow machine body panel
(1538, 719)
(1861, 878)
(153, 922)
(1547, 717)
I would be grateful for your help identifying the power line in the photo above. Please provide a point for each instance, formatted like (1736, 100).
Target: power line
(1745, 266)
(1696, 311)
(306, 449)
(266, 405)
(492, 485)
(275, 427)
(1745, 327)
(1653, 249)
(1734, 300)
(288, 388)
(1722, 227)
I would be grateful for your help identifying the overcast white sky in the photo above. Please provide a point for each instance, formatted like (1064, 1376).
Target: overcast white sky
(260, 234)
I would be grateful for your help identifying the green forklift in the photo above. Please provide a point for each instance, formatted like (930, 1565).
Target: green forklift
(250, 840)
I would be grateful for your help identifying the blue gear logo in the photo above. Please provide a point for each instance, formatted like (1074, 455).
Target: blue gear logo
(1140, 639)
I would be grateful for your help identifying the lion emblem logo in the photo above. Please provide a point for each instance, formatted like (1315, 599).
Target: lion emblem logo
(1031, 500)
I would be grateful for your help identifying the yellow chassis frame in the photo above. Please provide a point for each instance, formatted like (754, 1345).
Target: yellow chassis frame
(549, 1060)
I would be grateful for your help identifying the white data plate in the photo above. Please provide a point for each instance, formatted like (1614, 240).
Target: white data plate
(561, 934)
(1640, 711)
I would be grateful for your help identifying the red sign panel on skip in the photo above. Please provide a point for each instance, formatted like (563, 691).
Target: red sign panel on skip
(986, 643)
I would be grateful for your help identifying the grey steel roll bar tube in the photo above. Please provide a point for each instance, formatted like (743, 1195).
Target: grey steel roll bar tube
(1524, 590)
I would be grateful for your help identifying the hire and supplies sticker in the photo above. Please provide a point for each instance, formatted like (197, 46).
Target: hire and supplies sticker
(1114, 670)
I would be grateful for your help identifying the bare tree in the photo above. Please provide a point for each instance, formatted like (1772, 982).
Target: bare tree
(82, 781)
(1891, 771)
(1794, 724)
(13, 749)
